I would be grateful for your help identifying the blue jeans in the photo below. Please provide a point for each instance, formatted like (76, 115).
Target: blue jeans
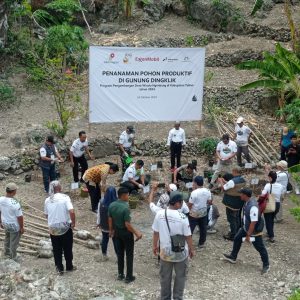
(104, 244)
(48, 176)
(258, 245)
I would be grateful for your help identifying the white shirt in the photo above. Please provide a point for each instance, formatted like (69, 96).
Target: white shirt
(78, 147)
(156, 208)
(242, 134)
(253, 214)
(132, 173)
(179, 224)
(277, 190)
(176, 136)
(10, 210)
(125, 139)
(199, 198)
(283, 179)
(226, 149)
(57, 209)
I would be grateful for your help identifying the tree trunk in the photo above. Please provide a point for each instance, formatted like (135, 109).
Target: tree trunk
(3, 24)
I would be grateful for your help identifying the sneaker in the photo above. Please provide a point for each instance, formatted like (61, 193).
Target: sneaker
(265, 270)
(60, 272)
(228, 237)
(74, 268)
(104, 257)
(211, 231)
(200, 247)
(229, 258)
(129, 279)
(271, 240)
(120, 277)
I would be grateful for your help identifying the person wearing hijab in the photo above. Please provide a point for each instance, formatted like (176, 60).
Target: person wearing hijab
(102, 219)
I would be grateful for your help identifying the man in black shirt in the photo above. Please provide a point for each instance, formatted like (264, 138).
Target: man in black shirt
(293, 152)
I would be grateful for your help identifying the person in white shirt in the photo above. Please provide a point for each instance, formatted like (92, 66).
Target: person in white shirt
(168, 223)
(176, 140)
(199, 200)
(48, 156)
(277, 190)
(126, 142)
(60, 214)
(226, 151)
(163, 201)
(11, 220)
(134, 177)
(77, 150)
(242, 136)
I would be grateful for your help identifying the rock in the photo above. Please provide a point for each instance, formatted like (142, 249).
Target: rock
(281, 284)
(9, 266)
(104, 149)
(2, 176)
(107, 9)
(5, 163)
(82, 234)
(54, 295)
(37, 135)
(93, 244)
(108, 28)
(18, 172)
(28, 276)
(155, 9)
(179, 7)
(16, 140)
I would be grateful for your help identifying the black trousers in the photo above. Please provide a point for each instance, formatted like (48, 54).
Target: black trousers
(125, 244)
(202, 223)
(234, 220)
(175, 153)
(258, 245)
(83, 164)
(131, 187)
(95, 194)
(269, 220)
(63, 244)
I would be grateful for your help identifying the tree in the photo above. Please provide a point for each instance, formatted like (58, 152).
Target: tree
(3, 24)
(278, 72)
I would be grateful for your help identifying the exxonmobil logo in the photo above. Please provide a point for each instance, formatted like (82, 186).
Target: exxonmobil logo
(148, 58)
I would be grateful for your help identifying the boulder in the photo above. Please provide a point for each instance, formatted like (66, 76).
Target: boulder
(16, 140)
(108, 28)
(104, 149)
(9, 266)
(37, 135)
(5, 163)
(179, 7)
(155, 9)
(107, 9)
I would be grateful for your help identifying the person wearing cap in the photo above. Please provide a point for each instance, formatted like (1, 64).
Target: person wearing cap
(176, 140)
(242, 136)
(226, 151)
(95, 176)
(48, 156)
(170, 222)
(77, 150)
(11, 220)
(163, 200)
(60, 215)
(134, 177)
(232, 201)
(293, 152)
(198, 203)
(126, 142)
(185, 173)
(252, 230)
(121, 229)
(285, 141)
(275, 188)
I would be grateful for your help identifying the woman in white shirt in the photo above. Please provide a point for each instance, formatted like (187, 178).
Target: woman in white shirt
(277, 190)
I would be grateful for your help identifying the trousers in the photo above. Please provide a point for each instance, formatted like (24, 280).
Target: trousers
(221, 169)
(240, 150)
(48, 176)
(83, 164)
(95, 195)
(11, 243)
(269, 220)
(131, 187)
(202, 223)
(124, 242)
(234, 220)
(258, 245)
(104, 244)
(165, 272)
(63, 244)
(175, 149)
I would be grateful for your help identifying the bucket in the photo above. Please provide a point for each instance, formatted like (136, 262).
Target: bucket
(28, 178)
(84, 192)
(128, 160)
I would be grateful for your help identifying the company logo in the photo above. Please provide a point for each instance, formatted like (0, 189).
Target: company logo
(166, 59)
(194, 99)
(111, 59)
(111, 56)
(186, 59)
(127, 58)
(148, 58)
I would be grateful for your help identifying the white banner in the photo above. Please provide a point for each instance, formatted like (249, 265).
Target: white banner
(145, 84)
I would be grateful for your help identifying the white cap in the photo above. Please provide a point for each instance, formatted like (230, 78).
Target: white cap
(172, 187)
(177, 122)
(240, 120)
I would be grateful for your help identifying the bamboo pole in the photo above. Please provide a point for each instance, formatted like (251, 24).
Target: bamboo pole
(31, 237)
(26, 204)
(33, 216)
(38, 227)
(25, 244)
(25, 251)
(42, 226)
(37, 232)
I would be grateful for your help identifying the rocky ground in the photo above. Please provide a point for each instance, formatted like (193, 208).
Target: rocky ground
(209, 277)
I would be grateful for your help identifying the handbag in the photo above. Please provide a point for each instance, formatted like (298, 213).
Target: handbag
(262, 203)
(271, 203)
(177, 240)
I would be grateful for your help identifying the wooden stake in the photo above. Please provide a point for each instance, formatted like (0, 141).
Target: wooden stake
(34, 216)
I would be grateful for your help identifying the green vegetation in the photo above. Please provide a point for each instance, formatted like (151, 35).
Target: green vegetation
(207, 146)
(295, 295)
(7, 95)
(189, 41)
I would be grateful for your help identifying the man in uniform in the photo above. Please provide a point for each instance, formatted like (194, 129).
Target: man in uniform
(126, 142)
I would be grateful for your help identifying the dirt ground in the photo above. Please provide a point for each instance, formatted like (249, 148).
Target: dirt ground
(209, 276)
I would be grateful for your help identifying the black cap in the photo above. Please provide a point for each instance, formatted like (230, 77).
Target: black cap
(130, 129)
(246, 192)
(175, 197)
(198, 180)
(50, 139)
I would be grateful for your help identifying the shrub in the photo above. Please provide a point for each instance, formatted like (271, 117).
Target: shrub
(295, 295)
(207, 146)
(7, 95)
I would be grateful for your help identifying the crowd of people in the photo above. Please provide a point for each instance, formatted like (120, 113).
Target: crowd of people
(175, 218)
